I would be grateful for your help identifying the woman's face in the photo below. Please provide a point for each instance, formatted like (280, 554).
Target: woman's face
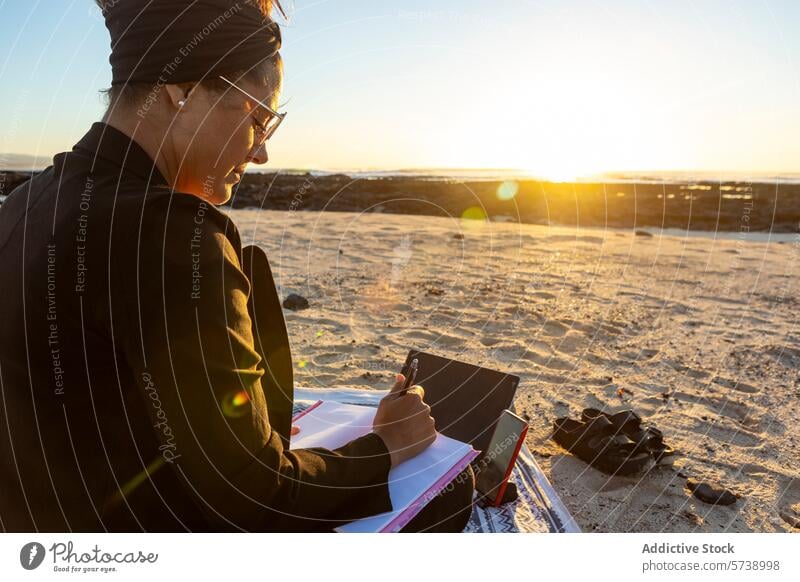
(216, 134)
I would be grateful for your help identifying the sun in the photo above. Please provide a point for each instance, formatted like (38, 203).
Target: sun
(559, 176)
(566, 171)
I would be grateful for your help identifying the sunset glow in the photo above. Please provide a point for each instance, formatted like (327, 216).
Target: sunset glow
(559, 90)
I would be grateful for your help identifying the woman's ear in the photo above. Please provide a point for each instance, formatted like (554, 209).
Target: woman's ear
(178, 95)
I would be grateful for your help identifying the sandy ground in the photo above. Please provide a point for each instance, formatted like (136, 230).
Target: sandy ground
(698, 335)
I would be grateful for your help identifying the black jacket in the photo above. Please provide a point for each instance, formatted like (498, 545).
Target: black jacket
(146, 374)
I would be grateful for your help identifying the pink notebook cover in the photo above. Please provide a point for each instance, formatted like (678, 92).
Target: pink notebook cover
(412, 510)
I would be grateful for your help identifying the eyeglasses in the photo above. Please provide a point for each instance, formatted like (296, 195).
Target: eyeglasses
(262, 132)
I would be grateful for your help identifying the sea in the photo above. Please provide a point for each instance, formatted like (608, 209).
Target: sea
(494, 174)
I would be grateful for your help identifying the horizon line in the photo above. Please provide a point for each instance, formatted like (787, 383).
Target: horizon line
(13, 162)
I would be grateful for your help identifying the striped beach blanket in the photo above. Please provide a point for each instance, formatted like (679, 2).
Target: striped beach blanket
(538, 508)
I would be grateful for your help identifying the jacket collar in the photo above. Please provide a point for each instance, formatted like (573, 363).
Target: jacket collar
(113, 146)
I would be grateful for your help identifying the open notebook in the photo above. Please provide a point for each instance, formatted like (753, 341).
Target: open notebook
(412, 484)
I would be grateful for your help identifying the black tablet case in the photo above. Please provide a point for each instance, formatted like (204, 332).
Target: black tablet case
(465, 400)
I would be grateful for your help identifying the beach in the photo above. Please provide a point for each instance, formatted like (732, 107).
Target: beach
(697, 334)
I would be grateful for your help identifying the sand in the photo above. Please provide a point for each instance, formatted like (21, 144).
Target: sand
(698, 335)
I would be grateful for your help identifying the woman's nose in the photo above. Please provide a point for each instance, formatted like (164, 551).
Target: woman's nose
(259, 155)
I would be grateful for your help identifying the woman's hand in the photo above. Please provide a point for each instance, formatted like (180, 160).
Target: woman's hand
(404, 422)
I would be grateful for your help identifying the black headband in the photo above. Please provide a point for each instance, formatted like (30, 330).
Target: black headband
(174, 41)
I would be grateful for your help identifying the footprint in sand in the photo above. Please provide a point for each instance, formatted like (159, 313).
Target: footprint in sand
(784, 354)
(572, 342)
(721, 299)
(332, 358)
(541, 295)
(508, 352)
(749, 418)
(643, 354)
(690, 372)
(735, 436)
(497, 326)
(554, 329)
(595, 331)
(735, 385)
(331, 326)
(548, 361)
(742, 414)
(431, 339)
(538, 345)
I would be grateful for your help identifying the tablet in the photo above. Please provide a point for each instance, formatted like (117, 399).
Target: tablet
(465, 400)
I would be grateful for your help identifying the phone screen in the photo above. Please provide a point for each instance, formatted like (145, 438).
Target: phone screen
(494, 465)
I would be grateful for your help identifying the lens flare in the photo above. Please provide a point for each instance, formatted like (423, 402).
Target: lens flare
(473, 217)
(507, 190)
(236, 404)
(126, 489)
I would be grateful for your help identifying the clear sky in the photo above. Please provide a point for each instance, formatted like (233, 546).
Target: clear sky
(560, 88)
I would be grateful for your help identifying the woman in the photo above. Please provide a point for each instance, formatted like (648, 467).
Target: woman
(145, 366)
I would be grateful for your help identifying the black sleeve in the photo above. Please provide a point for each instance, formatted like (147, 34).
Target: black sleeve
(189, 341)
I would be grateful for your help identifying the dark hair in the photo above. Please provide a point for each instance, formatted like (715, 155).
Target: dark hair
(266, 73)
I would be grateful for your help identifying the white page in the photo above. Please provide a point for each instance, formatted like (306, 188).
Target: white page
(332, 424)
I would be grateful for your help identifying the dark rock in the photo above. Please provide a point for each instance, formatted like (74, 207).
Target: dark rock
(295, 302)
(458, 236)
(711, 493)
(643, 233)
(791, 515)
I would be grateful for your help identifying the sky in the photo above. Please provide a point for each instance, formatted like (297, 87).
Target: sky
(556, 88)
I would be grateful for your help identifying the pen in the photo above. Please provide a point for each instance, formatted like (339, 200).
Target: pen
(412, 375)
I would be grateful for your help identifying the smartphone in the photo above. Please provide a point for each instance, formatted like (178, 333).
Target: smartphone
(495, 466)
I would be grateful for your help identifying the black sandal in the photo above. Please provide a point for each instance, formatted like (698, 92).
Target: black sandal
(647, 438)
(599, 444)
